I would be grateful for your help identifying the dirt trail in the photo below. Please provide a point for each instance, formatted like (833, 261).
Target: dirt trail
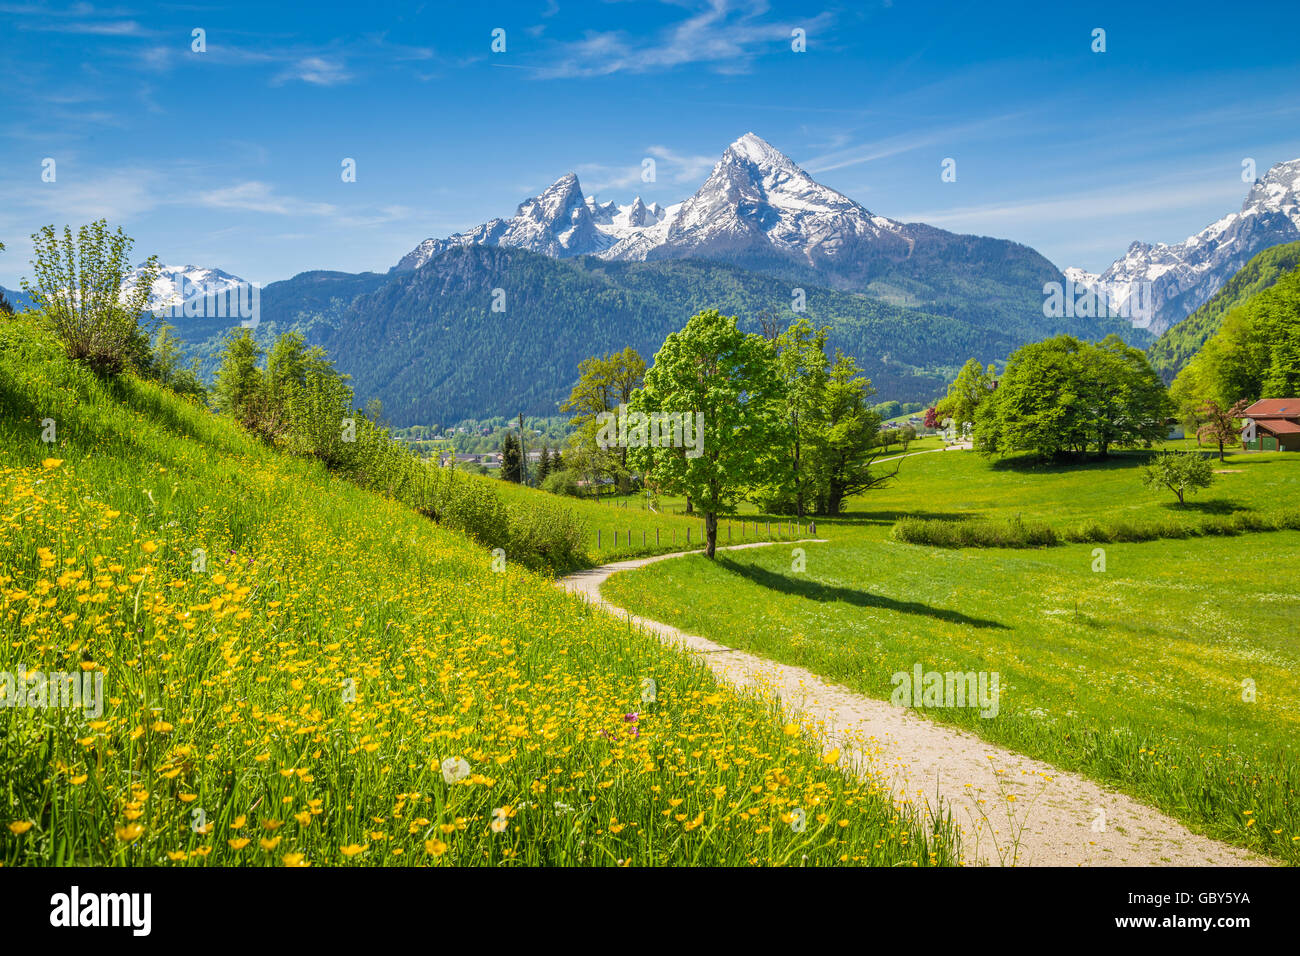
(1012, 810)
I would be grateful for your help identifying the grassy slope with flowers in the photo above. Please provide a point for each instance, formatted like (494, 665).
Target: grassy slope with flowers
(294, 703)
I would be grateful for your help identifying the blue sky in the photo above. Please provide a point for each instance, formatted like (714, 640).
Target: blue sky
(232, 157)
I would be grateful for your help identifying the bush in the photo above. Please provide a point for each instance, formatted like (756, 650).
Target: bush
(81, 289)
(561, 483)
(946, 533)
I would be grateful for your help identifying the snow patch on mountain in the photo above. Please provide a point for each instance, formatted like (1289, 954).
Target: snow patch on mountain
(757, 197)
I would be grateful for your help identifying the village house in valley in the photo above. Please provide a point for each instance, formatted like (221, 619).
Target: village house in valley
(1277, 425)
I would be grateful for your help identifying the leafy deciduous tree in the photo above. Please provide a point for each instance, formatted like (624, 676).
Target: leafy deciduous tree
(713, 368)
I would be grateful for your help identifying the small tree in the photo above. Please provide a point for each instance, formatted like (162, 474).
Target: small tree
(1180, 472)
(969, 389)
(81, 287)
(1221, 423)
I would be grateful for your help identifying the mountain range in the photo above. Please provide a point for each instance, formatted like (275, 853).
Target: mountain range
(758, 210)
(494, 319)
(1183, 276)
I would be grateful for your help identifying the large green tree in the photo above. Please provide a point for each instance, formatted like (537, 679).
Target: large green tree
(801, 400)
(846, 441)
(1254, 354)
(725, 379)
(1063, 396)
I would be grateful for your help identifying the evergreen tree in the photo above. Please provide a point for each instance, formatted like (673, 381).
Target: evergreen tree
(543, 465)
(239, 380)
(511, 460)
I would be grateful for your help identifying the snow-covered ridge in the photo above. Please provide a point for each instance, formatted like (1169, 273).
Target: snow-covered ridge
(754, 197)
(175, 285)
(558, 222)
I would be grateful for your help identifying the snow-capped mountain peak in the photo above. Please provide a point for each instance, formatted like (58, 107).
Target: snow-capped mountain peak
(757, 198)
(175, 285)
(756, 209)
(558, 222)
(753, 149)
(1178, 278)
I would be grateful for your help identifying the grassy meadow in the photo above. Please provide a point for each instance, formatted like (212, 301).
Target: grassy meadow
(296, 671)
(1133, 675)
(616, 528)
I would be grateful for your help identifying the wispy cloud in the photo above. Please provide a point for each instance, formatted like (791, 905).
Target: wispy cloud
(1057, 212)
(671, 166)
(904, 143)
(316, 70)
(108, 28)
(116, 195)
(257, 196)
(727, 35)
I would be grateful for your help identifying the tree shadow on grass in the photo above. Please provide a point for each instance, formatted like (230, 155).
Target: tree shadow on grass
(826, 593)
(1214, 506)
(1115, 460)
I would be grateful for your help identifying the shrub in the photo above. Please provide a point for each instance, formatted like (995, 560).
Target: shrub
(561, 483)
(81, 289)
(946, 533)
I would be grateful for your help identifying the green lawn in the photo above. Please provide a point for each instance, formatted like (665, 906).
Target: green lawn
(1133, 675)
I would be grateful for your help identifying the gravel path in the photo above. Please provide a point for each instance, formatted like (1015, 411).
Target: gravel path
(1012, 810)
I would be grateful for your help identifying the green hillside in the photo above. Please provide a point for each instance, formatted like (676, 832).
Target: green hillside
(299, 671)
(1175, 348)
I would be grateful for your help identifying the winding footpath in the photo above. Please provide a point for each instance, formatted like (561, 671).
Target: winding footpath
(1011, 810)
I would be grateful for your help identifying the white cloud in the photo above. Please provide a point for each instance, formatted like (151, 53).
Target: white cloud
(316, 70)
(1058, 211)
(726, 34)
(256, 196)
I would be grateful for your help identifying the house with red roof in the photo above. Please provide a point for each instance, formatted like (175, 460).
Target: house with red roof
(1277, 425)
